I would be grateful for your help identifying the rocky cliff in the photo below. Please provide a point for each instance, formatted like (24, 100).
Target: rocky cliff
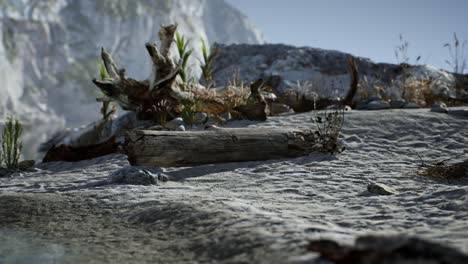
(49, 51)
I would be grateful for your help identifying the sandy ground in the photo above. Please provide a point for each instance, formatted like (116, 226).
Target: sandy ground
(254, 212)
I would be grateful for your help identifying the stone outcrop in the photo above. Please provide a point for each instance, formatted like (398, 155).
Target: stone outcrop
(312, 70)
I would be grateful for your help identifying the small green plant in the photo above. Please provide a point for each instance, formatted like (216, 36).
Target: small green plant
(107, 108)
(189, 111)
(457, 55)
(184, 54)
(11, 144)
(207, 64)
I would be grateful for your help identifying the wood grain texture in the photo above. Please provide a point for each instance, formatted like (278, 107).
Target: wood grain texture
(186, 148)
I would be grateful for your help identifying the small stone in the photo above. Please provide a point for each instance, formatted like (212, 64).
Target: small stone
(396, 104)
(334, 106)
(411, 105)
(174, 123)
(163, 177)
(378, 105)
(381, 189)
(26, 164)
(439, 108)
(180, 128)
(133, 176)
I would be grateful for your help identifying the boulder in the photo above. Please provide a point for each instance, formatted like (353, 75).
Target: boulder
(133, 176)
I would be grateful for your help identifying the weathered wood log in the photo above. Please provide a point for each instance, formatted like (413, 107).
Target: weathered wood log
(70, 153)
(216, 145)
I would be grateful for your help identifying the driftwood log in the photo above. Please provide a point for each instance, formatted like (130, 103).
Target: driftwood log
(70, 153)
(216, 145)
(143, 96)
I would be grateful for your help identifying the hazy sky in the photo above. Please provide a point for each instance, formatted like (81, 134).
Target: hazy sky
(367, 28)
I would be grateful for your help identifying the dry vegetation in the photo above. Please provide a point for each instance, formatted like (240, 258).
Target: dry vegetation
(442, 170)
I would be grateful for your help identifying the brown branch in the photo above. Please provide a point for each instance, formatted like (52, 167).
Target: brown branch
(353, 86)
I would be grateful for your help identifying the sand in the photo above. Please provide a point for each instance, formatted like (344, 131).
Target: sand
(252, 212)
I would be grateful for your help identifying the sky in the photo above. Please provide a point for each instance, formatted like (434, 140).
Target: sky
(365, 28)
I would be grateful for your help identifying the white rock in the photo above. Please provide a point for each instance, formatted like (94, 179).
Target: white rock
(381, 189)
(439, 108)
(175, 123)
(180, 128)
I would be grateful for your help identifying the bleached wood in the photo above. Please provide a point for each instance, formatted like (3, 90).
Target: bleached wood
(187, 148)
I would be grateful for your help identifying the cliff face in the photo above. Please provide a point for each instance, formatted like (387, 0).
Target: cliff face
(49, 51)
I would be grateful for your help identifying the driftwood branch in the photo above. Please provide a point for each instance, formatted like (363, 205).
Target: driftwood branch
(256, 107)
(353, 85)
(168, 148)
(143, 96)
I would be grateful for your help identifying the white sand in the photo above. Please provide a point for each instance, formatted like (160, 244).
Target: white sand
(269, 209)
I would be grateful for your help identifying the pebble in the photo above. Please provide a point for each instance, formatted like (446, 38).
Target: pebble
(381, 189)
(439, 108)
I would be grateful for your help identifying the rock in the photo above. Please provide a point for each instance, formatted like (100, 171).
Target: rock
(381, 189)
(396, 104)
(163, 177)
(180, 128)
(411, 105)
(133, 176)
(4, 172)
(347, 108)
(26, 164)
(175, 123)
(439, 108)
(378, 105)
(389, 250)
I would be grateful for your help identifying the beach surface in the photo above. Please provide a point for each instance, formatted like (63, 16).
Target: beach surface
(250, 212)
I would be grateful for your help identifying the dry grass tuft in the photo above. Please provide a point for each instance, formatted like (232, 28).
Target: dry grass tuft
(442, 171)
